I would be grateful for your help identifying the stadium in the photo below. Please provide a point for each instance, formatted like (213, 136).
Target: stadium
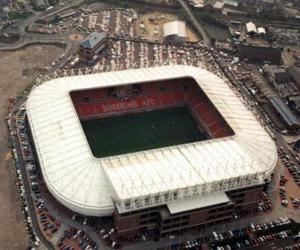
(166, 148)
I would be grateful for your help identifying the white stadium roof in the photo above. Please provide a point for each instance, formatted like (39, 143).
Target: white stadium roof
(90, 186)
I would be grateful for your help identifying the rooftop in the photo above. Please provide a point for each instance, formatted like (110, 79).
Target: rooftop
(199, 202)
(284, 111)
(92, 40)
(251, 27)
(295, 73)
(175, 28)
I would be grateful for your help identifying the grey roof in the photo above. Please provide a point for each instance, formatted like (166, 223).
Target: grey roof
(92, 40)
(197, 203)
(3, 2)
(68, 14)
(295, 73)
(284, 111)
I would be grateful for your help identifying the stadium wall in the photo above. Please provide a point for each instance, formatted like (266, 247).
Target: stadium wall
(243, 202)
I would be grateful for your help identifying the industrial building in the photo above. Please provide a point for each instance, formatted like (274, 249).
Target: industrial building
(259, 53)
(261, 31)
(175, 32)
(295, 74)
(284, 112)
(251, 28)
(167, 189)
(276, 74)
(60, 17)
(92, 46)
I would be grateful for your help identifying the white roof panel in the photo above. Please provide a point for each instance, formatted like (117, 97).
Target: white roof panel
(199, 202)
(175, 28)
(251, 27)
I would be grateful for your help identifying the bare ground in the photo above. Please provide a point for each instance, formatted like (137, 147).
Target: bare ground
(17, 70)
(159, 19)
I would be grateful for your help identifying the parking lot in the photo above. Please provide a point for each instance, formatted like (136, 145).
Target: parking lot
(274, 234)
(129, 54)
(285, 36)
(30, 59)
(115, 22)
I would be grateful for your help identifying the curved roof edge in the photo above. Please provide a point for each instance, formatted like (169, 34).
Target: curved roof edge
(88, 185)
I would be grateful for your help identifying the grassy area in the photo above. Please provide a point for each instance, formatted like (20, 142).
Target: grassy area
(13, 15)
(136, 132)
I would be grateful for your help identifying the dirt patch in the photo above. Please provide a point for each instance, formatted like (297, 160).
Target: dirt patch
(31, 71)
(292, 189)
(150, 26)
(17, 70)
(192, 35)
(76, 37)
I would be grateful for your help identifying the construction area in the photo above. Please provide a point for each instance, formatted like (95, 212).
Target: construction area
(151, 26)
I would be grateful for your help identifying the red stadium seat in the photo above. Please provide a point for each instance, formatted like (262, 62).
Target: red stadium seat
(87, 110)
(179, 97)
(97, 102)
(166, 99)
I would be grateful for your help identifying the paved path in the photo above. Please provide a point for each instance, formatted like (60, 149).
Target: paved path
(20, 165)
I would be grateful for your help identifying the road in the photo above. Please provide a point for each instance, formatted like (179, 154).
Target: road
(196, 24)
(33, 38)
(20, 165)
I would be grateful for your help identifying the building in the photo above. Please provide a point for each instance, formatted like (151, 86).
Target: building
(295, 74)
(39, 4)
(276, 74)
(4, 3)
(224, 45)
(60, 17)
(261, 31)
(218, 5)
(295, 103)
(166, 189)
(251, 28)
(259, 53)
(190, 214)
(92, 46)
(284, 112)
(198, 3)
(232, 3)
(175, 32)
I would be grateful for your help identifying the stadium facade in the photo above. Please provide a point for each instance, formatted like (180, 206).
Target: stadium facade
(168, 189)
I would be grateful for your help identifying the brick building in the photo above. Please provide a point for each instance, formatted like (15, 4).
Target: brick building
(190, 214)
(92, 46)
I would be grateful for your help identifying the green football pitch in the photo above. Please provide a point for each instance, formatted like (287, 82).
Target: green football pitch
(142, 131)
